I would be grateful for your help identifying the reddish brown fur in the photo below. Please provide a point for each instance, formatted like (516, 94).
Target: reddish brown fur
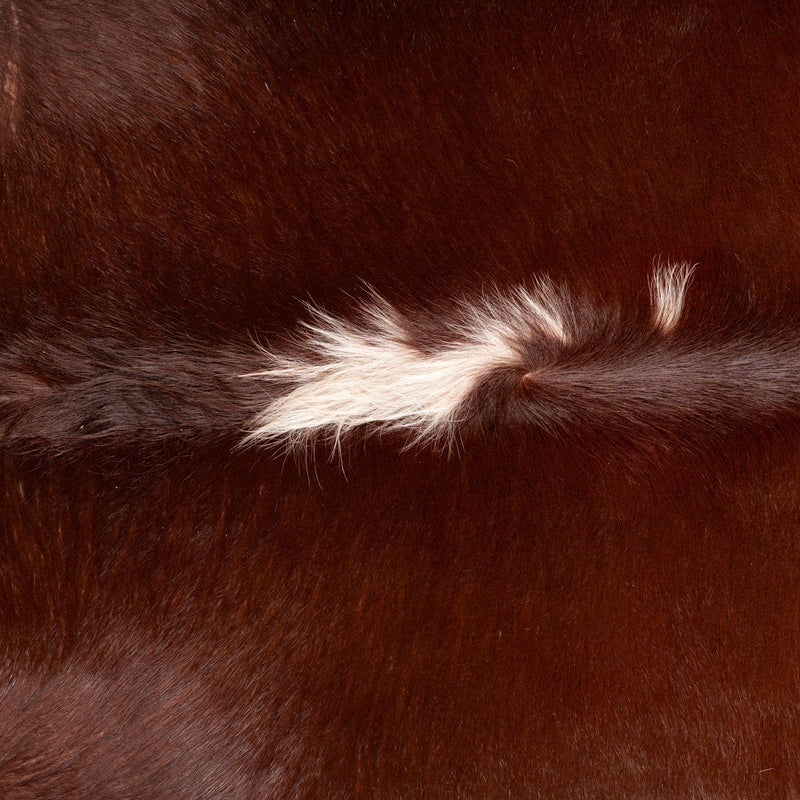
(577, 609)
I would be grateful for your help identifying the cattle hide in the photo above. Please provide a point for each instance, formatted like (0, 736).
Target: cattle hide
(399, 399)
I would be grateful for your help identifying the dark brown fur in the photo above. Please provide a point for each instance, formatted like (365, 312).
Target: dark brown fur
(595, 595)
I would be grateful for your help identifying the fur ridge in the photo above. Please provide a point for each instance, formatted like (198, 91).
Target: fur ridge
(537, 355)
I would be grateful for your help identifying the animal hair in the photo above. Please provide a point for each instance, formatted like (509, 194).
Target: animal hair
(537, 356)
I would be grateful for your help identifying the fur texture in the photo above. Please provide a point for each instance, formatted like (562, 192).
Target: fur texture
(593, 594)
(668, 295)
(380, 372)
(539, 357)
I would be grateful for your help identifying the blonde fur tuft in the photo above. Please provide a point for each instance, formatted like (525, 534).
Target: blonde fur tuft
(668, 294)
(346, 374)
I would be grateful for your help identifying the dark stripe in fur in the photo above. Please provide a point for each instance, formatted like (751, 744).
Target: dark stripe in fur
(57, 393)
(66, 388)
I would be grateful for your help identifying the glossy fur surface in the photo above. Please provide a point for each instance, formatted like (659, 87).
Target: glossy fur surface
(399, 401)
